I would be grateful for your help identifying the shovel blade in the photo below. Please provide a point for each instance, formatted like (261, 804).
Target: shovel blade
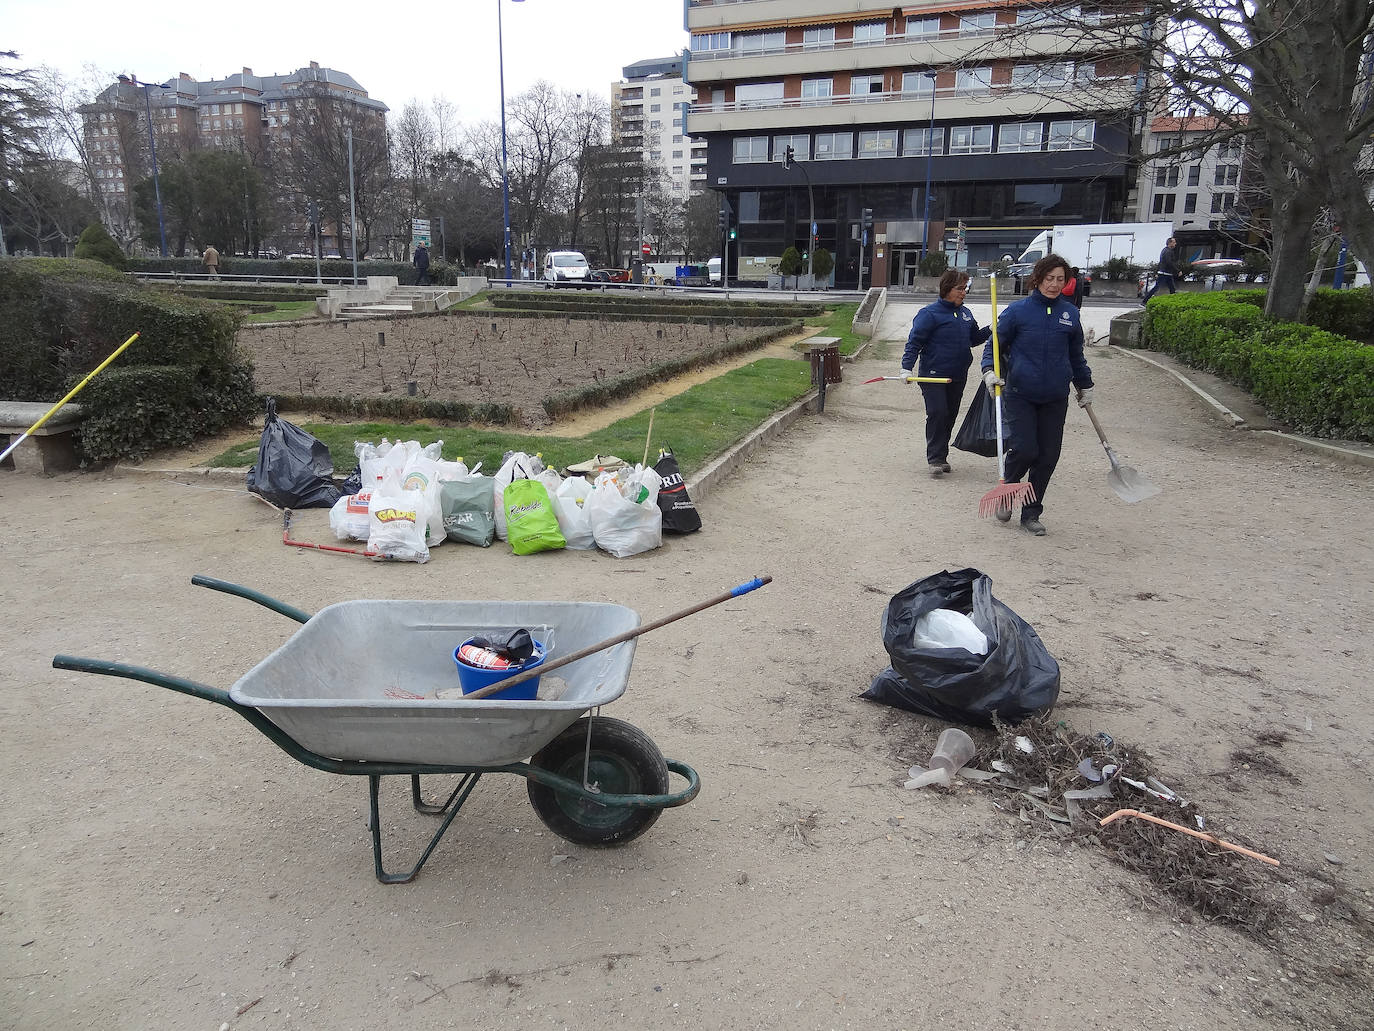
(1130, 486)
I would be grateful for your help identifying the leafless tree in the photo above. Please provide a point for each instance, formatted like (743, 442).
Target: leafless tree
(413, 138)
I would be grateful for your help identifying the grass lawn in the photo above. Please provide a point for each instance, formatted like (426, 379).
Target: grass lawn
(282, 311)
(698, 424)
(836, 322)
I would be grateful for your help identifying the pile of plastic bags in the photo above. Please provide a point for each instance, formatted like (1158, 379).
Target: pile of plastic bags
(410, 500)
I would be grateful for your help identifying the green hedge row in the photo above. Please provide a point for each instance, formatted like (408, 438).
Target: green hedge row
(1314, 380)
(402, 408)
(623, 386)
(613, 304)
(183, 378)
(676, 319)
(1347, 313)
(234, 292)
(440, 273)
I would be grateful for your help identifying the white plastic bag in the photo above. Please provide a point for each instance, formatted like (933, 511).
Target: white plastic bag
(449, 471)
(945, 628)
(422, 473)
(370, 461)
(348, 518)
(571, 495)
(620, 525)
(396, 522)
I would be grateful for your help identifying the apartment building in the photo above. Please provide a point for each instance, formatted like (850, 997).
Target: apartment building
(999, 110)
(1198, 183)
(648, 115)
(241, 111)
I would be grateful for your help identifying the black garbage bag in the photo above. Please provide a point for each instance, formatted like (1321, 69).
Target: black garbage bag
(294, 469)
(978, 432)
(1017, 678)
(679, 510)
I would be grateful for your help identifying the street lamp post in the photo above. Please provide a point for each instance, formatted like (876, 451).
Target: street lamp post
(930, 157)
(505, 172)
(152, 147)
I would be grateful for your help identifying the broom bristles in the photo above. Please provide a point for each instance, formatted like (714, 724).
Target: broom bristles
(1005, 496)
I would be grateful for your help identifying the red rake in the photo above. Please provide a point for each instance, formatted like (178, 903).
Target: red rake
(1005, 496)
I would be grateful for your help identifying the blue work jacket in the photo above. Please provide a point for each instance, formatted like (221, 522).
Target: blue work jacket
(941, 337)
(1042, 348)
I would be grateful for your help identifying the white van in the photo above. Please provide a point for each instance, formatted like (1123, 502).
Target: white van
(713, 270)
(566, 267)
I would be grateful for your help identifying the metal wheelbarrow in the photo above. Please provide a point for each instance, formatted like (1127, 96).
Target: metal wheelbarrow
(355, 691)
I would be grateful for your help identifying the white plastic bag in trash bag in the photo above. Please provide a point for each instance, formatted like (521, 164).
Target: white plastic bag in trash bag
(422, 473)
(626, 524)
(568, 500)
(396, 522)
(348, 518)
(945, 628)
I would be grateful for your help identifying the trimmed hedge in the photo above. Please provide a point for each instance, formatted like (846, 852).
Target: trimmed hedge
(1315, 381)
(1347, 313)
(440, 273)
(622, 305)
(403, 408)
(182, 379)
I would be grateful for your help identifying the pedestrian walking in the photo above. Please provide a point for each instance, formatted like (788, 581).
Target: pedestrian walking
(1042, 353)
(210, 259)
(1168, 270)
(421, 261)
(939, 344)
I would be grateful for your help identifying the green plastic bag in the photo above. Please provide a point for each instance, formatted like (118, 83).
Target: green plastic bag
(469, 510)
(531, 524)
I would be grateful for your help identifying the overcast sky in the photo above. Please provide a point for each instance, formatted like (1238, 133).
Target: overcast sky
(396, 51)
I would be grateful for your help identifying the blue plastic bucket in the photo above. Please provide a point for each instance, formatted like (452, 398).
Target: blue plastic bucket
(473, 678)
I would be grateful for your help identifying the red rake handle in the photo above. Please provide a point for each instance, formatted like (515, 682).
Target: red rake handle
(910, 379)
(628, 635)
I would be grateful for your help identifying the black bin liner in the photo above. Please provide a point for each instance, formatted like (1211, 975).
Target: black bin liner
(978, 432)
(1016, 679)
(294, 469)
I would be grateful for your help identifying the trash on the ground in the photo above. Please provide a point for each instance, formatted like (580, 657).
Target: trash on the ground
(1057, 815)
(294, 469)
(1015, 679)
(1138, 815)
(1106, 739)
(1003, 767)
(1333, 860)
(1089, 771)
(1092, 794)
(1023, 744)
(945, 628)
(1142, 786)
(953, 748)
(1164, 789)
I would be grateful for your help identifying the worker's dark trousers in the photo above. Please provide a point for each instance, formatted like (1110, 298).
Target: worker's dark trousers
(1035, 434)
(942, 409)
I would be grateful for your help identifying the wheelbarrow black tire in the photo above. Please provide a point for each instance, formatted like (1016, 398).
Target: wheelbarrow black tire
(623, 761)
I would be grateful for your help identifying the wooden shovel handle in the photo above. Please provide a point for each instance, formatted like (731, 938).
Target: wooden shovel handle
(1096, 425)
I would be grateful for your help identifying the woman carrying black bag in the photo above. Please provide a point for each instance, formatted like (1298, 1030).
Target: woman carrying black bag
(942, 336)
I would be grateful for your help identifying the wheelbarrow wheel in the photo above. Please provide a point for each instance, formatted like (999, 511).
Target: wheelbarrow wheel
(623, 760)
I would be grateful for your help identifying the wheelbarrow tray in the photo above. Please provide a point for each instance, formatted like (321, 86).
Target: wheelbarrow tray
(332, 685)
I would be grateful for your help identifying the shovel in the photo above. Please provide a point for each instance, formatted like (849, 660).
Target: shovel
(1129, 485)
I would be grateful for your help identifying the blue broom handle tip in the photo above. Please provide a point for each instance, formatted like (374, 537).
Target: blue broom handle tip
(751, 585)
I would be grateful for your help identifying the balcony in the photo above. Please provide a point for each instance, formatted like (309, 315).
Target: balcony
(963, 104)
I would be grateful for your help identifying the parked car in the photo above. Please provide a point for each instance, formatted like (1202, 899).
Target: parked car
(611, 275)
(566, 267)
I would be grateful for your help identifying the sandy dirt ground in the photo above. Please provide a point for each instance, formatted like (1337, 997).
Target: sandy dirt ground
(466, 358)
(168, 867)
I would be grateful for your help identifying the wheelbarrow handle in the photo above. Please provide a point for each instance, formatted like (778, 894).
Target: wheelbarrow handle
(148, 676)
(264, 600)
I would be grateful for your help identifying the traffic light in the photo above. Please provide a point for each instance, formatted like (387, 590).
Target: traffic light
(733, 232)
(723, 220)
(787, 158)
(868, 218)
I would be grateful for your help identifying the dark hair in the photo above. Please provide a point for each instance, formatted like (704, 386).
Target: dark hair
(952, 280)
(1044, 267)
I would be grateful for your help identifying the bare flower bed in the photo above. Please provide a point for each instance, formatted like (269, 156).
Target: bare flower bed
(514, 361)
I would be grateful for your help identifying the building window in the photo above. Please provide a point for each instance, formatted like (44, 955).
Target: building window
(1055, 73)
(705, 42)
(655, 126)
(917, 143)
(834, 146)
(654, 108)
(677, 139)
(870, 32)
(865, 85)
(750, 150)
(1227, 175)
(801, 147)
(1194, 175)
(238, 109)
(758, 94)
(214, 109)
(918, 83)
(970, 139)
(973, 80)
(981, 21)
(1166, 176)
(1190, 203)
(1072, 135)
(1164, 143)
(818, 37)
(677, 123)
(1020, 137)
(1164, 204)
(655, 92)
(1222, 201)
(677, 153)
(760, 42)
(922, 27)
(1037, 16)
(817, 89)
(878, 143)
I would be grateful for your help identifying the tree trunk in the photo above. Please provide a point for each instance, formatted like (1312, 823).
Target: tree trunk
(1293, 212)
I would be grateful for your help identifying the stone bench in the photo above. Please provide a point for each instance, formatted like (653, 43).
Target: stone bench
(51, 448)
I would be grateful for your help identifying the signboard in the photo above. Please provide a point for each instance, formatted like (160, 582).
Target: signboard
(419, 231)
(646, 250)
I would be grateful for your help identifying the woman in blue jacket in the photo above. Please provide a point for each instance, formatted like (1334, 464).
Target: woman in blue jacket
(1042, 353)
(941, 337)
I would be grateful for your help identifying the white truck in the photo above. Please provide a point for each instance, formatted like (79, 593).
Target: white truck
(1092, 246)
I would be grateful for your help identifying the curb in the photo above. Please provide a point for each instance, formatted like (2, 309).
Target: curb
(1358, 455)
(721, 469)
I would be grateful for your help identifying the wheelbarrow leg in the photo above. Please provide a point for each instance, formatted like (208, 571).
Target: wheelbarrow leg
(373, 780)
(430, 808)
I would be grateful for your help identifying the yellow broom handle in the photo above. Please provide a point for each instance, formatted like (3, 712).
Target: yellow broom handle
(996, 361)
(53, 410)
